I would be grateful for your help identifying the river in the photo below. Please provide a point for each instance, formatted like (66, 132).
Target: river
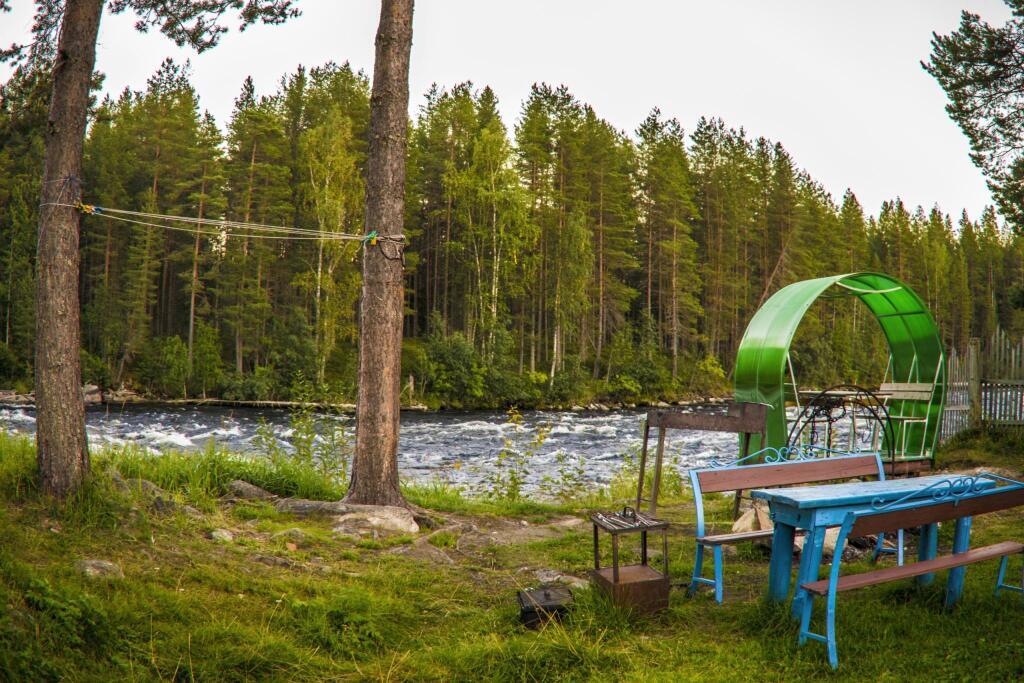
(459, 447)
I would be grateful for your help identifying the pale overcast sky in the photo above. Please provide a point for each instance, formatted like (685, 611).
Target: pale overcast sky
(838, 83)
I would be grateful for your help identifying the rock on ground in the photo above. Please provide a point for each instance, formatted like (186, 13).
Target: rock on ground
(243, 489)
(423, 550)
(756, 518)
(555, 576)
(364, 520)
(222, 535)
(302, 507)
(99, 569)
(294, 535)
(159, 500)
(273, 560)
(91, 394)
(746, 522)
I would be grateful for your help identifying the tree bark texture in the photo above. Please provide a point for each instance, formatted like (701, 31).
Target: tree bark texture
(62, 448)
(375, 465)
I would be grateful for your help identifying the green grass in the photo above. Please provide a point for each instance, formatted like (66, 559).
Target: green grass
(191, 608)
(984, 448)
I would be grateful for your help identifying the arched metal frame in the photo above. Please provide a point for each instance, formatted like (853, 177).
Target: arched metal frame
(915, 349)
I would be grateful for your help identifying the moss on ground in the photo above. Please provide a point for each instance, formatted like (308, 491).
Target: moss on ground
(286, 599)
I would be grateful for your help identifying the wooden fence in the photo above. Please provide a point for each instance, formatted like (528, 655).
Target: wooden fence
(985, 386)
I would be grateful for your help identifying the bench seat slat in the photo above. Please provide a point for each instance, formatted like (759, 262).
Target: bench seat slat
(739, 537)
(854, 581)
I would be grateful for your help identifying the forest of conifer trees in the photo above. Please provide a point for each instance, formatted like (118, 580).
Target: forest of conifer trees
(553, 260)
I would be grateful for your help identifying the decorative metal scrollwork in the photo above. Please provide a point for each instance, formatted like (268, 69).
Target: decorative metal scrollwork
(800, 452)
(953, 489)
(826, 409)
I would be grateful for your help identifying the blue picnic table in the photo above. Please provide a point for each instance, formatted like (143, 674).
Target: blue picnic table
(815, 508)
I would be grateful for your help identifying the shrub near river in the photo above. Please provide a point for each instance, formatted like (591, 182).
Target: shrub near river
(207, 586)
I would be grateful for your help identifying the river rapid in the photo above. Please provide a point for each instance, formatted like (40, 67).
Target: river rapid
(456, 446)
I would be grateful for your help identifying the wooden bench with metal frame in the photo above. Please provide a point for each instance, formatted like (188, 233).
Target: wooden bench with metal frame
(953, 499)
(782, 467)
(900, 400)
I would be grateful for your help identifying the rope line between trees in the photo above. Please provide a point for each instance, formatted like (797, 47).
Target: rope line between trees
(218, 227)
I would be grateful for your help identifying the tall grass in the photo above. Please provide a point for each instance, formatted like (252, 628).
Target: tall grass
(206, 474)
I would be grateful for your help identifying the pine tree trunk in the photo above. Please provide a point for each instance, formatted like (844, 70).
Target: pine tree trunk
(675, 302)
(600, 286)
(62, 447)
(195, 277)
(318, 336)
(375, 465)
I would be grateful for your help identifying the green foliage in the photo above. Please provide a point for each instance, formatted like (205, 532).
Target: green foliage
(456, 372)
(512, 466)
(94, 370)
(979, 67)
(205, 475)
(349, 624)
(315, 442)
(261, 385)
(444, 539)
(163, 366)
(708, 377)
(12, 369)
(207, 368)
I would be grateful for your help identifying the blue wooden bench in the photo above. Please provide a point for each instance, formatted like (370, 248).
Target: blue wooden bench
(952, 499)
(780, 467)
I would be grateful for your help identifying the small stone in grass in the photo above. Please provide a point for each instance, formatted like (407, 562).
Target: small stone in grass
(294, 535)
(243, 489)
(99, 569)
(291, 546)
(222, 535)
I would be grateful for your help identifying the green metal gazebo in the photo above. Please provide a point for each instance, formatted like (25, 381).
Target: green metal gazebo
(915, 352)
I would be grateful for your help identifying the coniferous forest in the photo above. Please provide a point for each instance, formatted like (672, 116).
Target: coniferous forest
(551, 260)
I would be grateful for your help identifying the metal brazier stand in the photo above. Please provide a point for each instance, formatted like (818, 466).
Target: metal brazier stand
(636, 586)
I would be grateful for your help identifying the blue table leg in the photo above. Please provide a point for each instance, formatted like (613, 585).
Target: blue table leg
(961, 542)
(781, 562)
(929, 545)
(810, 562)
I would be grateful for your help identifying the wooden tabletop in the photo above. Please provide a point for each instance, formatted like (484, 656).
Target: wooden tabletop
(856, 493)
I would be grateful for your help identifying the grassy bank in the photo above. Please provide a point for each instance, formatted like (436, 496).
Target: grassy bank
(274, 603)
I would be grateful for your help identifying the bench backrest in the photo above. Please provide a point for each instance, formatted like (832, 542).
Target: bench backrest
(741, 418)
(783, 473)
(907, 391)
(929, 511)
(787, 473)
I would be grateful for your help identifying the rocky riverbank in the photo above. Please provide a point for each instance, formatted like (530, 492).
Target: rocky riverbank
(94, 395)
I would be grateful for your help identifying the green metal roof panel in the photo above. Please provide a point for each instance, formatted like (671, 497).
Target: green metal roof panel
(904, 319)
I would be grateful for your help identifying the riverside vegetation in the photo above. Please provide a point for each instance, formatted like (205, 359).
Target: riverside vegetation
(281, 597)
(551, 260)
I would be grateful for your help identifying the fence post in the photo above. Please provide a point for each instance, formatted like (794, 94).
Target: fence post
(974, 381)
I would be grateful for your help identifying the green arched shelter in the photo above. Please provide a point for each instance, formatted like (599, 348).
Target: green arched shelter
(916, 353)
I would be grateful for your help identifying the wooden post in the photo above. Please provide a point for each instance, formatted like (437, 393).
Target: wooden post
(656, 484)
(744, 452)
(643, 465)
(974, 382)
